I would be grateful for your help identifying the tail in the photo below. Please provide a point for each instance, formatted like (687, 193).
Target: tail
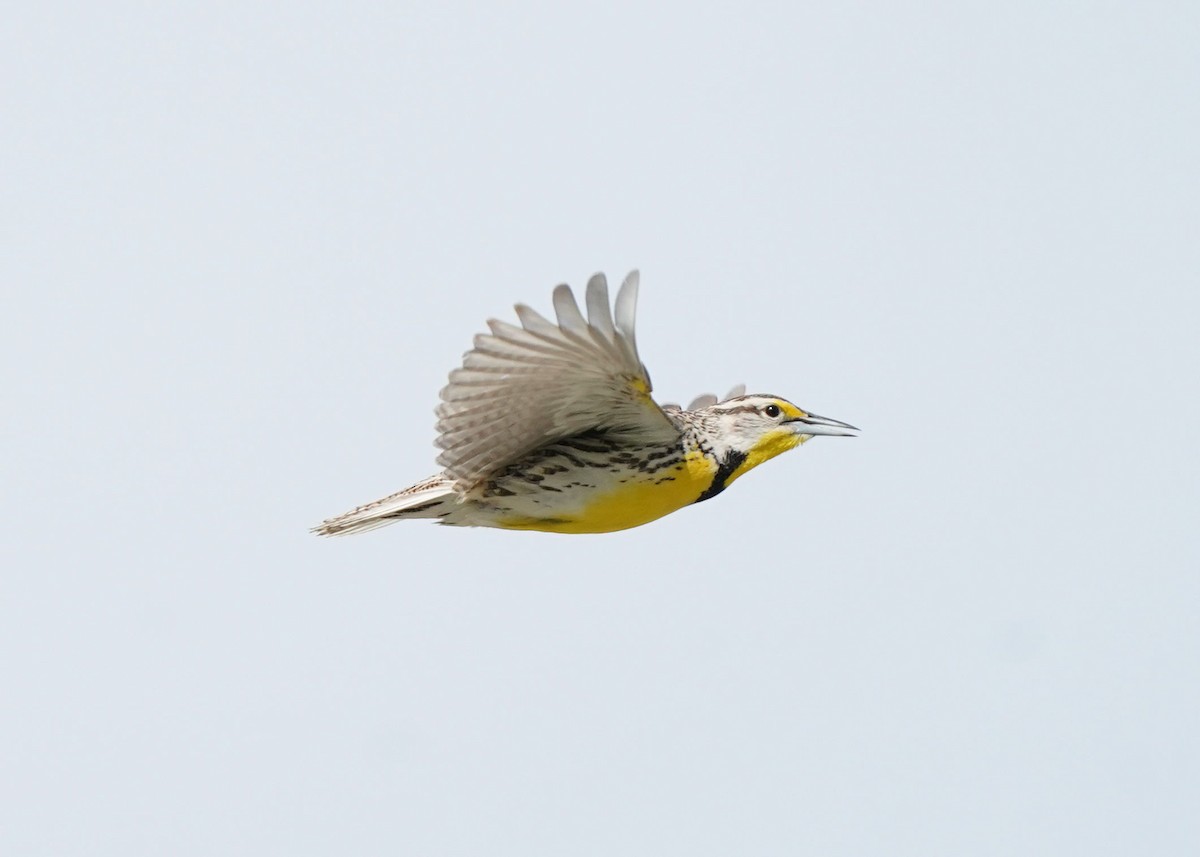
(432, 498)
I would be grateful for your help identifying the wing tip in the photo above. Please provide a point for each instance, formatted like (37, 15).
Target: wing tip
(626, 306)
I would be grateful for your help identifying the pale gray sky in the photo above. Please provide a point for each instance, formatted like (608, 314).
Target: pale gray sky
(242, 246)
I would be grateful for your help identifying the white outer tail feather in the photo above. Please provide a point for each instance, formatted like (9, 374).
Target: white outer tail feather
(429, 499)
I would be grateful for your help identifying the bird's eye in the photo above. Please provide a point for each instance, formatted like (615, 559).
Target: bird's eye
(771, 411)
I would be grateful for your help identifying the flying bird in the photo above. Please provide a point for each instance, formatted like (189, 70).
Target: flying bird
(552, 427)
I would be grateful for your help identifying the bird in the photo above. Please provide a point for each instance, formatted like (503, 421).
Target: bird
(552, 428)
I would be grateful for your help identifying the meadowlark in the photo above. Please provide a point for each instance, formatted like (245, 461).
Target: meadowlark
(551, 427)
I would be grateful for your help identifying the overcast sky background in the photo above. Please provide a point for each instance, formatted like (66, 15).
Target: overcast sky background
(242, 246)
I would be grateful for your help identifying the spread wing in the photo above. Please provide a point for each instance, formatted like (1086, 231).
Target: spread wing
(522, 387)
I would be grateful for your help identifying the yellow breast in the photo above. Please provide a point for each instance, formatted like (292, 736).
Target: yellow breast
(632, 503)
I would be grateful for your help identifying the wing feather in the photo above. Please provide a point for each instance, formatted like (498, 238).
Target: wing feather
(599, 314)
(627, 308)
(570, 319)
(522, 387)
(534, 322)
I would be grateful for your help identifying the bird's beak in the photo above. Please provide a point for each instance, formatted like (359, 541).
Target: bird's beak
(812, 425)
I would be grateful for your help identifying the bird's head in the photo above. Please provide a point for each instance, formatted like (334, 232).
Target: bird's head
(758, 427)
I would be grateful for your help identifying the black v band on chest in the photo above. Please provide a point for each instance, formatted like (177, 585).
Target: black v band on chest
(732, 461)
